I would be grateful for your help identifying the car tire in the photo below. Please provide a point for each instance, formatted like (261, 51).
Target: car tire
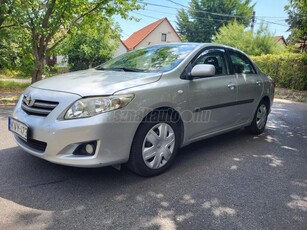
(155, 145)
(260, 118)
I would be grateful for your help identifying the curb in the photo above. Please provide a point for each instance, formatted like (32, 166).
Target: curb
(16, 80)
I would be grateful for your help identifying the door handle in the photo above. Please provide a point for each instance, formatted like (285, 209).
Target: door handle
(231, 86)
(259, 82)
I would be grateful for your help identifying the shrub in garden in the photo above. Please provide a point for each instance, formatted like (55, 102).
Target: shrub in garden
(288, 70)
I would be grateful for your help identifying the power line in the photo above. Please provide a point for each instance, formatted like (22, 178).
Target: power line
(279, 24)
(205, 19)
(207, 12)
(271, 17)
(158, 5)
(125, 33)
(160, 12)
(202, 11)
(156, 18)
(176, 3)
(146, 15)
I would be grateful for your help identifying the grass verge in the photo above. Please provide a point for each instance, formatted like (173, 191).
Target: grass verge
(9, 74)
(12, 100)
(10, 91)
(12, 86)
(290, 94)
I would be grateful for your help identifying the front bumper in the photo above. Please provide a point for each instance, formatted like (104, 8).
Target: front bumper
(55, 139)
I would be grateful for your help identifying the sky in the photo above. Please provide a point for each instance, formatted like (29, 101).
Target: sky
(268, 11)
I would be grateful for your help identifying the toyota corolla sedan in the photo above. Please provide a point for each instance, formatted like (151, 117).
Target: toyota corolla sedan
(140, 107)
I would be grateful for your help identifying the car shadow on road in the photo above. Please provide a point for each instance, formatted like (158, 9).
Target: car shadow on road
(205, 185)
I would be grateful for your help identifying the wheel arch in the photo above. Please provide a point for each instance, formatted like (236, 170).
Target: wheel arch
(173, 113)
(138, 165)
(266, 99)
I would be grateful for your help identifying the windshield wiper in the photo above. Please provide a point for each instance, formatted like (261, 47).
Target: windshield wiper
(126, 69)
(99, 68)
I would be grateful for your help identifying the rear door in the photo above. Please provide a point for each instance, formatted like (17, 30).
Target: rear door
(249, 85)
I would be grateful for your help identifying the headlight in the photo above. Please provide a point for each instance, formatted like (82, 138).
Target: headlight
(91, 106)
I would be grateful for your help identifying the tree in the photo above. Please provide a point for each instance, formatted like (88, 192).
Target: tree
(6, 7)
(15, 52)
(48, 22)
(297, 21)
(205, 17)
(235, 35)
(93, 43)
(6, 55)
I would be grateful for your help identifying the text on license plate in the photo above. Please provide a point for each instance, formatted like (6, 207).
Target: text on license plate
(18, 128)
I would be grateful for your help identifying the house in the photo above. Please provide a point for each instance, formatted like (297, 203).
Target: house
(122, 48)
(281, 40)
(158, 32)
(301, 46)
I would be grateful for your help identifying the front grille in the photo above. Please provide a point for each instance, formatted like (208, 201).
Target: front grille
(38, 107)
(35, 144)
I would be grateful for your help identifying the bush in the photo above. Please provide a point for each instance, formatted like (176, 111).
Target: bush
(287, 70)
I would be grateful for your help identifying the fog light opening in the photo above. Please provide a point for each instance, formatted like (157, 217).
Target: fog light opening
(86, 149)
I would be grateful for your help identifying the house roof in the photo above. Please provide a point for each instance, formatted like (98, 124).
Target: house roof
(123, 43)
(280, 38)
(138, 36)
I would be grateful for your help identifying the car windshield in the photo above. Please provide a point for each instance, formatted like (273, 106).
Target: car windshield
(159, 58)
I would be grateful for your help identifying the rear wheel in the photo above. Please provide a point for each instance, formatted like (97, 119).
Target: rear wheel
(154, 146)
(260, 118)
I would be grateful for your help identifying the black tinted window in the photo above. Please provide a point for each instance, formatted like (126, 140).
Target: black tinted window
(214, 57)
(241, 64)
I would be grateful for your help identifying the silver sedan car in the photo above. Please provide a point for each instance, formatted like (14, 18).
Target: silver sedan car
(140, 107)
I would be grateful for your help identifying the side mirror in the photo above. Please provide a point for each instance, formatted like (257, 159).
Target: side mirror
(203, 70)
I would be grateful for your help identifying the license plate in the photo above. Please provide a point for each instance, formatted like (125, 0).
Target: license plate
(18, 127)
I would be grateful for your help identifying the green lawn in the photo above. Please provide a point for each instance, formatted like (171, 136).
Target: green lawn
(8, 74)
(12, 86)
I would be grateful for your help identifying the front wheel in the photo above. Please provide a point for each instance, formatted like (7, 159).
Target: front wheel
(260, 118)
(154, 146)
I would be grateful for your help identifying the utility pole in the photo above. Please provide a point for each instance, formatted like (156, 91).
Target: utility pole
(253, 21)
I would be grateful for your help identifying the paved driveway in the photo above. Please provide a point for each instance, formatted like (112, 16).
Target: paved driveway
(234, 181)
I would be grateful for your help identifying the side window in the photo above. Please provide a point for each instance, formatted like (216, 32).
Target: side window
(214, 57)
(241, 64)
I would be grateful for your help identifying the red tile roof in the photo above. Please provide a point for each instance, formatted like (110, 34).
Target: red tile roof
(138, 36)
(123, 44)
(280, 38)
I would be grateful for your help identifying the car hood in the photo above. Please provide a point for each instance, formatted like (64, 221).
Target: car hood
(96, 82)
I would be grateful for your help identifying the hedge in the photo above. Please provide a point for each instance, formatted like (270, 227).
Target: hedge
(287, 70)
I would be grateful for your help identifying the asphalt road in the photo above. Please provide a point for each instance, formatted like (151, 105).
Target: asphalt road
(234, 181)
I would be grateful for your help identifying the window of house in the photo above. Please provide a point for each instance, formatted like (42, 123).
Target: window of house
(163, 37)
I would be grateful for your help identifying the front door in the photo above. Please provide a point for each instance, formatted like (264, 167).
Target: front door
(212, 99)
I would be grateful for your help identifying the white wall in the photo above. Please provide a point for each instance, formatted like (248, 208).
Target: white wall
(155, 36)
(120, 50)
(62, 61)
